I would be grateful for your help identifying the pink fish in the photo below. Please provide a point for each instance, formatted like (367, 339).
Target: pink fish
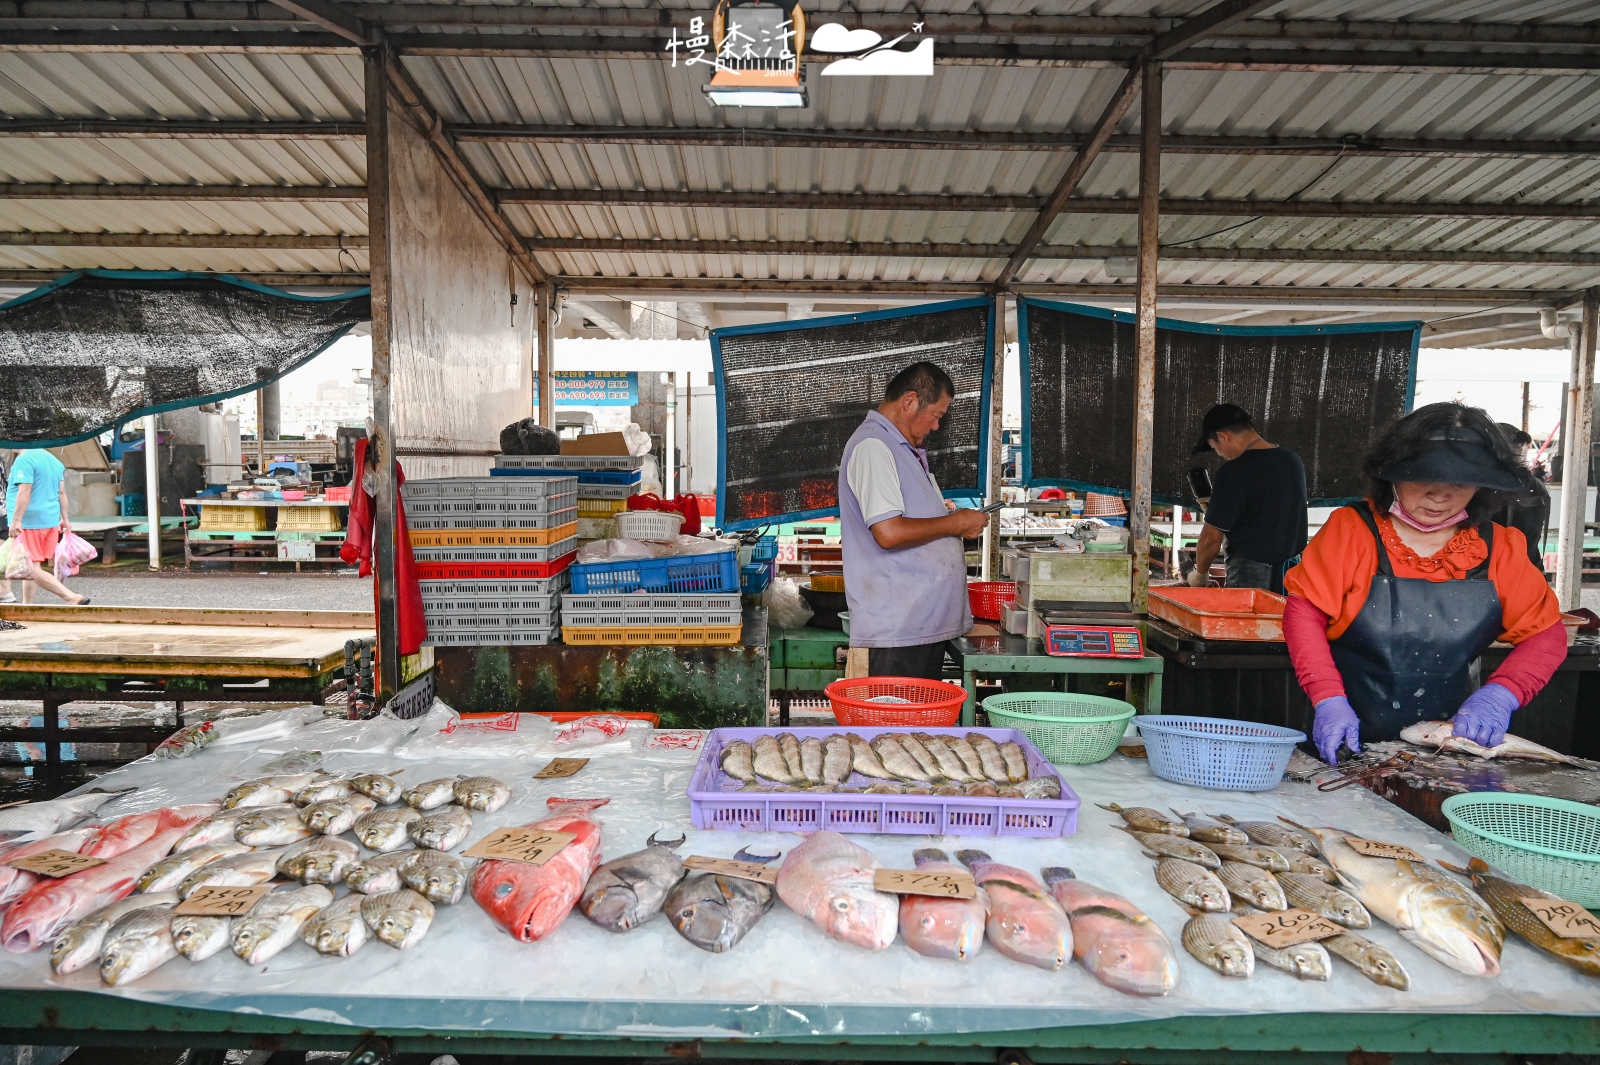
(122, 834)
(1113, 939)
(828, 879)
(530, 901)
(942, 927)
(1025, 923)
(14, 881)
(50, 906)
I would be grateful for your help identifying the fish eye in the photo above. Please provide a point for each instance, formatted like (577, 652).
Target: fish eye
(842, 905)
(502, 889)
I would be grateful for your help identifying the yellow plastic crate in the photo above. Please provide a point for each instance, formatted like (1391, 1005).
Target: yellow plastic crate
(652, 635)
(827, 582)
(309, 519)
(599, 508)
(492, 537)
(233, 519)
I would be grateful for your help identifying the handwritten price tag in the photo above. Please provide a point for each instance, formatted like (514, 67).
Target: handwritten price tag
(1285, 928)
(912, 882)
(560, 767)
(766, 874)
(221, 901)
(56, 863)
(531, 846)
(1566, 919)
(1373, 849)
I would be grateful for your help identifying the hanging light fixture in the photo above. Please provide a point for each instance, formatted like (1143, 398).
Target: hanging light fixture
(758, 55)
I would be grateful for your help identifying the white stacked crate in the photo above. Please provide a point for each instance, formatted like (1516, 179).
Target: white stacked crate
(676, 610)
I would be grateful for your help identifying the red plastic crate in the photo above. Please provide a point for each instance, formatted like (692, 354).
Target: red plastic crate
(492, 571)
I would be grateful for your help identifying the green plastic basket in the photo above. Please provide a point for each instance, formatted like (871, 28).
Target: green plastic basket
(1067, 729)
(1549, 843)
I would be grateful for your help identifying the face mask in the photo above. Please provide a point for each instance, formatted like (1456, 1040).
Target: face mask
(1396, 510)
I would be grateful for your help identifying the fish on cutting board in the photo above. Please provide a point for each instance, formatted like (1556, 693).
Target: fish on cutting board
(828, 880)
(1441, 734)
(1114, 939)
(530, 901)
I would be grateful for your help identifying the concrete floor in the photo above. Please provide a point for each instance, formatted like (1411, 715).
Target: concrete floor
(322, 591)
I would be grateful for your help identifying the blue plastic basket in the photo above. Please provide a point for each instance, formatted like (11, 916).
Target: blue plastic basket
(623, 477)
(754, 577)
(1217, 753)
(683, 573)
(765, 550)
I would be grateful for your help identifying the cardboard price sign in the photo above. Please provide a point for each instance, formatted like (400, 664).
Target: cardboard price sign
(560, 767)
(912, 882)
(1373, 849)
(530, 846)
(766, 874)
(1285, 928)
(56, 863)
(1566, 919)
(221, 901)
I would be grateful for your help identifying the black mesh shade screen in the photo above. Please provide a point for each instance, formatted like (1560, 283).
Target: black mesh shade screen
(791, 394)
(99, 348)
(1320, 390)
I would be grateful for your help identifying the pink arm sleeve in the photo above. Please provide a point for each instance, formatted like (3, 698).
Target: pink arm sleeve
(1529, 666)
(1305, 628)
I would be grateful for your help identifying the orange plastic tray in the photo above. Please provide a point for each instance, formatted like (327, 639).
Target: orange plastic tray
(1221, 613)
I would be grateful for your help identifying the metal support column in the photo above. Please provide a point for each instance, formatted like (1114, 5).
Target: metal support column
(152, 488)
(1144, 379)
(376, 64)
(546, 362)
(1575, 462)
(991, 557)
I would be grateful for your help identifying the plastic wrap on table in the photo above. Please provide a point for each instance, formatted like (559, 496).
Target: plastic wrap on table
(443, 733)
(333, 735)
(787, 978)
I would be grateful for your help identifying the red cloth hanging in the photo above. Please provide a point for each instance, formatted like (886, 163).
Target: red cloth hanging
(358, 547)
(686, 505)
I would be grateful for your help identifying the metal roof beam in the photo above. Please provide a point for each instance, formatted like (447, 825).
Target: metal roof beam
(181, 129)
(334, 18)
(252, 241)
(356, 280)
(1209, 23)
(185, 193)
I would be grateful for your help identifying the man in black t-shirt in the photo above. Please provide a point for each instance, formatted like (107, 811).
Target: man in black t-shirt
(1258, 502)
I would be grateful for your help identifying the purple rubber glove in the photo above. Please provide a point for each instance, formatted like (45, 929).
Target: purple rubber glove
(1336, 723)
(1486, 715)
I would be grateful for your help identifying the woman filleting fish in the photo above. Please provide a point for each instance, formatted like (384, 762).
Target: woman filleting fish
(1398, 594)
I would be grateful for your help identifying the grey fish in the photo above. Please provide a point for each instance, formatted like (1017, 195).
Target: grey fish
(337, 929)
(921, 755)
(482, 793)
(811, 759)
(377, 874)
(714, 912)
(836, 759)
(80, 945)
(1042, 787)
(271, 828)
(242, 870)
(1303, 961)
(1166, 846)
(1208, 831)
(335, 818)
(441, 830)
(1317, 895)
(430, 794)
(1301, 862)
(138, 944)
(789, 746)
(770, 763)
(1268, 834)
(1261, 857)
(219, 828)
(174, 869)
(968, 755)
(738, 761)
(319, 860)
(323, 791)
(197, 938)
(626, 892)
(399, 918)
(1372, 959)
(990, 758)
(36, 820)
(1189, 883)
(275, 922)
(1253, 884)
(267, 791)
(864, 760)
(897, 760)
(385, 830)
(1147, 820)
(435, 875)
(1015, 761)
(381, 787)
(950, 766)
(1217, 943)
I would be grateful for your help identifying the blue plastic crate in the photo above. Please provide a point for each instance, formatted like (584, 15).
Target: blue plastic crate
(683, 573)
(622, 477)
(765, 550)
(754, 577)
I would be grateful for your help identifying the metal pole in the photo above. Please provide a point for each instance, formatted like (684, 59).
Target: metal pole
(669, 439)
(1575, 461)
(1526, 407)
(152, 488)
(1144, 376)
(991, 554)
(261, 431)
(376, 63)
(546, 325)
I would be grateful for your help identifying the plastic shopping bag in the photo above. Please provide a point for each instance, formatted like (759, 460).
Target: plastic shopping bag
(14, 557)
(72, 551)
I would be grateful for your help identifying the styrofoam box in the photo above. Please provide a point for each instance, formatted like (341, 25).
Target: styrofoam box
(720, 602)
(548, 553)
(493, 589)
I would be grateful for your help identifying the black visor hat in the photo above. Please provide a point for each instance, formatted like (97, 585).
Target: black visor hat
(1222, 416)
(1454, 456)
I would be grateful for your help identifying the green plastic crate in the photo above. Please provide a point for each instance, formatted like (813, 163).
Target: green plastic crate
(1068, 729)
(1549, 843)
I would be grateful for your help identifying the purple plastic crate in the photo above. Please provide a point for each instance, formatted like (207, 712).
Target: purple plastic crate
(716, 803)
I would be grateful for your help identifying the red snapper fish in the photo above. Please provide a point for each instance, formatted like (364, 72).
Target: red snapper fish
(14, 881)
(122, 834)
(1113, 939)
(828, 879)
(530, 901)
(50, 907)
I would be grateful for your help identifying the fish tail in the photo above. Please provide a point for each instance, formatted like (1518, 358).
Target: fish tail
(1056, 874)
(929, 854)
(1227, 819)
(968, 858)
(1114, 808)
(573, 806)
(1477, 865)
(745, 856)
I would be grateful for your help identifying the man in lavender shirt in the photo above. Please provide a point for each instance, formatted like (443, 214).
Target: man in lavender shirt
(905, 573)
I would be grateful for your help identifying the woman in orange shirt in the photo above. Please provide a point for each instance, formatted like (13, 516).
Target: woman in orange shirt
(1398, 595)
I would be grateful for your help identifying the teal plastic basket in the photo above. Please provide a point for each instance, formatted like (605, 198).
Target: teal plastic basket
(1549, 843)
(1068, 729)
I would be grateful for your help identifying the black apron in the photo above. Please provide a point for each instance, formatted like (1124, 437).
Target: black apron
(1411, 654)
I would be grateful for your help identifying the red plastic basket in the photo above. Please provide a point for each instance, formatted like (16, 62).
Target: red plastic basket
(492, 571)
(933, 703)
(990, 598)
